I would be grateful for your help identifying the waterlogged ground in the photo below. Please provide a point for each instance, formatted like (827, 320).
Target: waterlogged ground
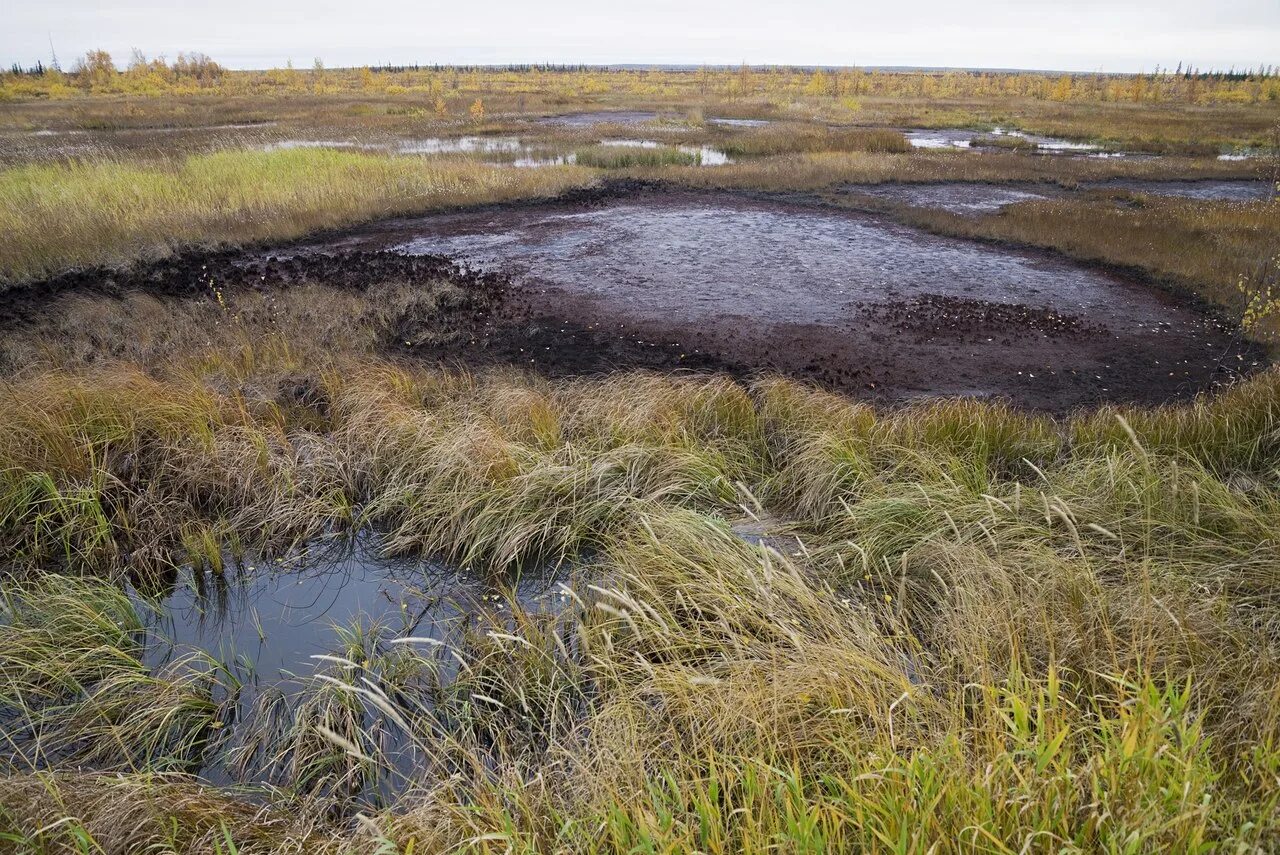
(1209, 190)
(501, 149)
(956, 197)
(666, 280)
(706, 155)
(961, 138)
(977, 198)
(276, 631)
(269, 617)
(600, 117)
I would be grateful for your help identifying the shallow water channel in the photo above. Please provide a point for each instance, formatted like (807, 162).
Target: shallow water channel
(501, 149)
(589, 118)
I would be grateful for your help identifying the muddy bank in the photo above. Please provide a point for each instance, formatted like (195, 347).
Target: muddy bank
(967, 198)
(669, 280)
(202, 274)
(639, 277)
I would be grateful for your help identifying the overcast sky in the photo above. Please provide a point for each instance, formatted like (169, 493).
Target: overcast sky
(1064, 34)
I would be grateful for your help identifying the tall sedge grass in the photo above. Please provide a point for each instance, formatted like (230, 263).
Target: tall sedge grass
(996, 631)
(105, 212)
(627, 157)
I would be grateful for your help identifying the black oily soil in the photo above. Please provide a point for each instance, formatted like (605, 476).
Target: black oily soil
(889, 352)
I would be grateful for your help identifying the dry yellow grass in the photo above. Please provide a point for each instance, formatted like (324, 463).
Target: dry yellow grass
(83, 213)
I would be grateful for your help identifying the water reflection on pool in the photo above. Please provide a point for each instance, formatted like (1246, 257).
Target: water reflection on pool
(268, 617)
(962, 138)
(706, 155)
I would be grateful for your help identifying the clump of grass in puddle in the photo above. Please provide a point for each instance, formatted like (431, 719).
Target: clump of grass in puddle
(794, 138)
(74, 684)
(628, 157)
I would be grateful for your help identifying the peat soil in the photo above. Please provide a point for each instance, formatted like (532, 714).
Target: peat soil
(645, 278)
(668, 279)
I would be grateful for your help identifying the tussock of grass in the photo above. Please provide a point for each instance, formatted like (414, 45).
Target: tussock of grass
(995, 628)
(790, 139)
(627, 157)
(80, 213)
(80, 693)
(134, 813)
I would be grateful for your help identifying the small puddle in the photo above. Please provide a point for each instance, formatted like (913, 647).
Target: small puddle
(960, 138)
(971, 198)
(499, 149)
(285, 145)
(706, 155)
(1247, 154)
(270, 616)
(451, 145)
(277, 623)
(551, 160)
(940, 138)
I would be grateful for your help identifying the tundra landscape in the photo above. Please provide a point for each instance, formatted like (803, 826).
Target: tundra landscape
(560, 458)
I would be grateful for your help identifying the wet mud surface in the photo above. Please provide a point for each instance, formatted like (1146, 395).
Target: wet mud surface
(858, 304)
(652, 279)
(978, 198)
(1224, 190)
(970, 199)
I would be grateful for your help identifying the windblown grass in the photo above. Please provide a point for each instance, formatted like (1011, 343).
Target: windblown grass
(80, 213)
(996, 631)
(969, 628)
